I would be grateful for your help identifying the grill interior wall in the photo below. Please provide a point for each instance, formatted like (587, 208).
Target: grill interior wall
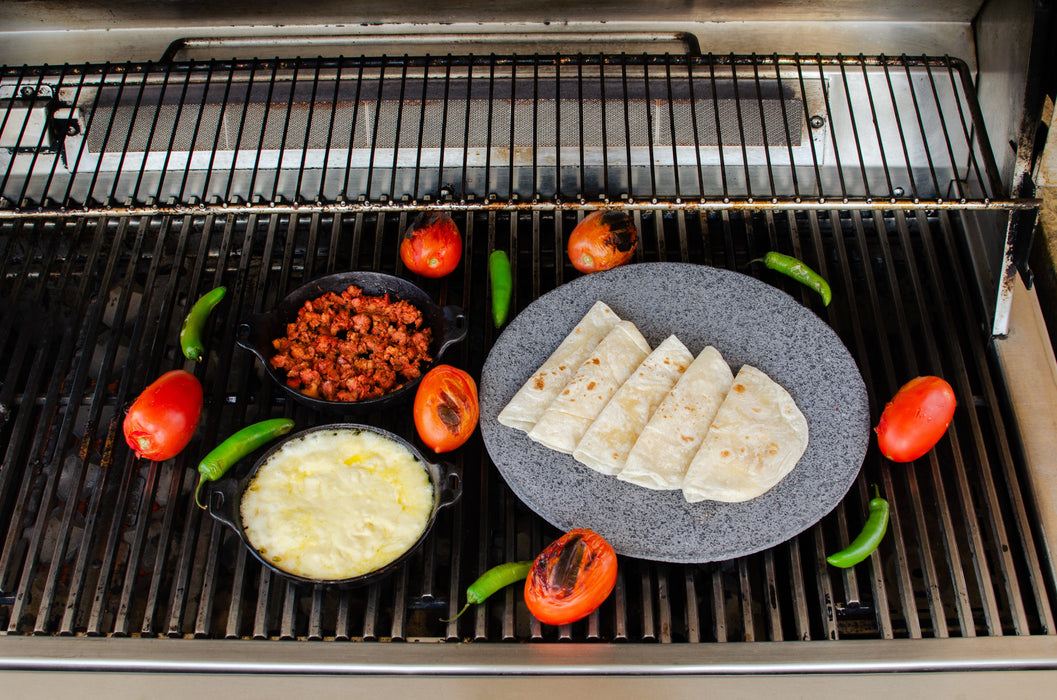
(98, 276)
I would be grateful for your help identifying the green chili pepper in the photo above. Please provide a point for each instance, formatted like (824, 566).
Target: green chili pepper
(872, 534)
(790, 266)
(191, 331)
(215, 464)
(502, 285)
(494, 579)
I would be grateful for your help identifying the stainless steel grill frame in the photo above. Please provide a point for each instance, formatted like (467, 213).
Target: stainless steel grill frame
(98, 545)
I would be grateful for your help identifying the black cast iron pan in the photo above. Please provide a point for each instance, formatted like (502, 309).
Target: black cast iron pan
(448, 323)
(225, 496)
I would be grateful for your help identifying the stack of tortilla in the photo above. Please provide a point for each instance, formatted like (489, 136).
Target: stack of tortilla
(660, 418)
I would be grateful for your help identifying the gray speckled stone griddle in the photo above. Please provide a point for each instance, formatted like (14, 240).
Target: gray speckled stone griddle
(749, 322)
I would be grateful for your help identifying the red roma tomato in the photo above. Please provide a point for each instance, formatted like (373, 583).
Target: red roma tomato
(915, 419)
(162, 420)
(432, 245)
(602, 241)
(446, 408)
(571, 577)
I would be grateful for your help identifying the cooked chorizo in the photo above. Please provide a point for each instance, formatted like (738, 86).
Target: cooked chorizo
(351, 346)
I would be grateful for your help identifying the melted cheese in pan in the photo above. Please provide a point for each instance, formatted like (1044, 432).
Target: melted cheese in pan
(336, 504)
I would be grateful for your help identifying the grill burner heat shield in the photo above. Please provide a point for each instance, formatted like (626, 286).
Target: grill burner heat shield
(129, 191)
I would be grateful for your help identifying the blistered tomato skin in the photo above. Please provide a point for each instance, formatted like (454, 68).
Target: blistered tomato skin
(163, 419)
(602, 241)
(571, 577)
(446, 408)
(432, 245)
(915, 419)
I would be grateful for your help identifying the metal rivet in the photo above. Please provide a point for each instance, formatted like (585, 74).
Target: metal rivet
(816, 121)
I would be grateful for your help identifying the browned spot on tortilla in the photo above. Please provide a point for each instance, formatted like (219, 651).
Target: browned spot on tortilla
(725, 453)
(595, 361)
(539, 383)
(684, 438)
(590, 386)
(772, 449)
(740, 388)
(565, 393)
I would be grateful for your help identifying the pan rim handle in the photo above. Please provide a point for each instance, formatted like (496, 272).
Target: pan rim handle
(246, 331)
(221, 501)
(456, 325)
(450, 485)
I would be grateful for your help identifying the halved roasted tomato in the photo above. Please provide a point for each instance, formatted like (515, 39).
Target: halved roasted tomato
(432, 245)
(446, 408)
(571, 578)
(603, 240)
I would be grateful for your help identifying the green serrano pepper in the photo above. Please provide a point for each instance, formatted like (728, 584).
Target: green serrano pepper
(872, 534)
(191, 332)
(496, 578)
(502, 285)
(792, 267)
(215, 464)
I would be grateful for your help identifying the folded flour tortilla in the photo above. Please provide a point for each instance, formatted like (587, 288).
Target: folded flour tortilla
(605, 445)
(757, 438)
(671, 438)
(532, 399)
(573, 410)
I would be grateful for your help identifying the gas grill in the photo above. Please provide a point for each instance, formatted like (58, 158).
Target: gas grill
(130, 189)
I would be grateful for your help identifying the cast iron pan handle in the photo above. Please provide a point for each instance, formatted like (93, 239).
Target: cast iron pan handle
(450, 485)
(246, 335)
(455, 326)
(223, 502)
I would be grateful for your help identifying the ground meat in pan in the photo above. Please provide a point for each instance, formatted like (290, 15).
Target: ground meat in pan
(351, 347)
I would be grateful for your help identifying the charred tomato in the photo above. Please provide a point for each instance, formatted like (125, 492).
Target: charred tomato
(432, 245)
(915, 419)
(571, 578)
(163, 419)
(446, 408)
(602, 241)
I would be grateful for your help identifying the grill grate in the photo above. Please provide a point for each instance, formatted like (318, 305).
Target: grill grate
(705, 130)
(128, 191)
(96, 543)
